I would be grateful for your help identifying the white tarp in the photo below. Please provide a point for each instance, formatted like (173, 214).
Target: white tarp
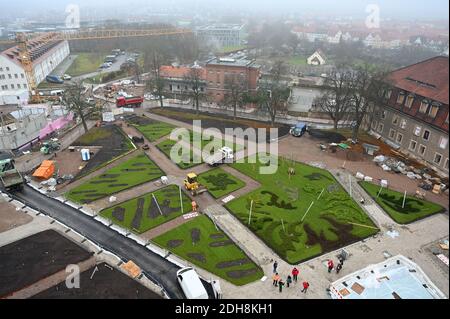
(108, 117)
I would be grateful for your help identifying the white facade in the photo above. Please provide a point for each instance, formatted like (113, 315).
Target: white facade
(18, 97)
(12, 74)
(316, 59)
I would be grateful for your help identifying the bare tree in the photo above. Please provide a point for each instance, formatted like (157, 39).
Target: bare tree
(236, 89)
(74, 99)
(156, 83)
(368, 86)
(194, 80)
(335, 101)
(274, 93)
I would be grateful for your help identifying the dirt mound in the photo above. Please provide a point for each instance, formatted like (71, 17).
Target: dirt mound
(327, 136)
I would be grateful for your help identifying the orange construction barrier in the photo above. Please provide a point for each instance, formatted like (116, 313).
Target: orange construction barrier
(46, 170)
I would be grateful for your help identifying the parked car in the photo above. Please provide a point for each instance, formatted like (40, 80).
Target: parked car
(66, 77)
(191, 284)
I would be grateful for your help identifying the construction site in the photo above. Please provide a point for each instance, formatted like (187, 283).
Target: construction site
(87, 165)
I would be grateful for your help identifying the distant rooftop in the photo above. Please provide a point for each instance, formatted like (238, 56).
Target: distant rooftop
(230, 61)
(395, 278)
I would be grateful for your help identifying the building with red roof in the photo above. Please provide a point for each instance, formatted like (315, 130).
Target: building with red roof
(415, 116)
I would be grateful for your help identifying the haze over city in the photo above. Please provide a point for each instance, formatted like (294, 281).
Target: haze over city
(251, 152)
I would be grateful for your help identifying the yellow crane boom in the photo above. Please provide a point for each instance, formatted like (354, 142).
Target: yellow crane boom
(83, 34)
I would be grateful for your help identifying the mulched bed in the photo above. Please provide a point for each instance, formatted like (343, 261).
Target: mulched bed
(216, 236)
(197, 256)
(33, 258)
(111, 147)
(220, 121)
(153, 210)
(119, 213)
(106, 283)
(241, 273)
(173, 243)
(232, 263)
(327, 136)
(195, 235)
(136, 222)
(221, 243)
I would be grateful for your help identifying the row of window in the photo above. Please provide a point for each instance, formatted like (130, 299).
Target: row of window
(1, 68)
(421, 150)
(10, 76)
(13, 87)
(428, 107)
(414, 146)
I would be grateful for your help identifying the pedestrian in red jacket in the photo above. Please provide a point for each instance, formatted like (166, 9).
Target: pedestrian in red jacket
(330, 265)
(305, 286)
(295, 273)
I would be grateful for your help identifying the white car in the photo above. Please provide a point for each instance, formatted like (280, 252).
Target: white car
(66, 77)
(191, 284)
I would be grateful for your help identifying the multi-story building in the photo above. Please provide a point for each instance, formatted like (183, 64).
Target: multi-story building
(45, 57)
(224, 35)
(219, 70)
(176, 79)
(415, 116)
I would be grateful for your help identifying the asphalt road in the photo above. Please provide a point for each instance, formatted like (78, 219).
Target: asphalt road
(153, 265)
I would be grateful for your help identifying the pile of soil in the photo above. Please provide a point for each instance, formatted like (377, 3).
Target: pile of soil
(327, 136)
(112, 146)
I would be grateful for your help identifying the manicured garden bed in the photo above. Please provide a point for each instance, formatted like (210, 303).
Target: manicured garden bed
(138, 170)
(142, 213)
(279, 205)
(392, 201)
(199, 242)
(220, 183)
(151, 129)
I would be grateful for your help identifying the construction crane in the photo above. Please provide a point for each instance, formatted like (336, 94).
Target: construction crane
(22, 39)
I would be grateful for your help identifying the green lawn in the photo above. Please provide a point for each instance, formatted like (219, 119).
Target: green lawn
(297, 60)
(94, 134)
(199, 242)
(232, 48)
(105, 77)
(137, 170)
(154, 130)
(166, 146)
(220, 183)
(392, 201)
(86, 63)
(142, 214)
(282, 201)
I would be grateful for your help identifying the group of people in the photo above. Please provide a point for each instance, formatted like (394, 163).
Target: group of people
(278, 282)
(338, 267)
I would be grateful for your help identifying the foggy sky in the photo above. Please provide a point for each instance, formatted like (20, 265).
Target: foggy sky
(389, 9)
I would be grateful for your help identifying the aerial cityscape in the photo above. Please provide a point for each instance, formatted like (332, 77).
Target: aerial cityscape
(194, 149)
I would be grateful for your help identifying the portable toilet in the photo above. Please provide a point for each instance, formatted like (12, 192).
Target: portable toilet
(85, 155)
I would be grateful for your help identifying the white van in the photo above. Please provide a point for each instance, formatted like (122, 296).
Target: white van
(57, 92)
(191, 284)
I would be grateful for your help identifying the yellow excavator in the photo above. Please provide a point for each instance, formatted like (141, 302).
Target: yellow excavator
(192, 184)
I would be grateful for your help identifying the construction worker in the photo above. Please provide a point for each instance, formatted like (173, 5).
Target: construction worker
(194, 206)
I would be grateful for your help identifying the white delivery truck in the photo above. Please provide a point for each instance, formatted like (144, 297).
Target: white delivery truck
(191, 284)
(223, 155)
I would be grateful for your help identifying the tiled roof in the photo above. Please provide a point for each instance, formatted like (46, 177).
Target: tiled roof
(37, 47)
(428, 78)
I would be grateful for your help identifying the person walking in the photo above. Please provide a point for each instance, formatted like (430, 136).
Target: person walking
(288, 281)
(194, 206)
(275, 265)
(330, 265)
(338, 268)
(276, 278)
(305, 286)
(280, 285)
(295, 273)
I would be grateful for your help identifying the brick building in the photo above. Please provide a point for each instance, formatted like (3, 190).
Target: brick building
(175, 79)
(415, 117)
(218, 70)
